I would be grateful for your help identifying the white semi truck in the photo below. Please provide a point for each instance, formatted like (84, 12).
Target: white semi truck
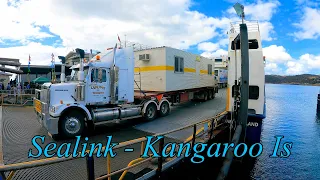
(104, 90)
(222, 77)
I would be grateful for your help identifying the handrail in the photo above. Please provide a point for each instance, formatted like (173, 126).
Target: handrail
(253, 26)
(47, 161)
(19, 99)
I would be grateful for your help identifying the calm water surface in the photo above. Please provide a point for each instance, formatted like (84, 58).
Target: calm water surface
(291, 112)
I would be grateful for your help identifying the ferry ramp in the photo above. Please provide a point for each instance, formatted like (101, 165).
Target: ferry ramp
(19, 125)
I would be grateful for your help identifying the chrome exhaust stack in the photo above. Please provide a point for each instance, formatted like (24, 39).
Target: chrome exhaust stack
(81, 86)
(63, 66)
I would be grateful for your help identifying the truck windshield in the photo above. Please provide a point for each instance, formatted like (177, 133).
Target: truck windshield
(75, 72)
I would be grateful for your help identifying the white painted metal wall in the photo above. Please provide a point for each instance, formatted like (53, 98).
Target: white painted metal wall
(256, 70)
(158, 74)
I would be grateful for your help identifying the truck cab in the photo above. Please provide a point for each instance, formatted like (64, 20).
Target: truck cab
(64, 107)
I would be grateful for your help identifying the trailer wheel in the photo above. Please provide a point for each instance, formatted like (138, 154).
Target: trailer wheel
(151, 112)
(213, 94)
(164, 109)
(205, 96)
(210, 94)
(72, 124)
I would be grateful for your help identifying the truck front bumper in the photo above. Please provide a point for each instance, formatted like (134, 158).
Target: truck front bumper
(50, 123)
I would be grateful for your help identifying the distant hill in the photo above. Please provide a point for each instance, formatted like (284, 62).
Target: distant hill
(303, 79)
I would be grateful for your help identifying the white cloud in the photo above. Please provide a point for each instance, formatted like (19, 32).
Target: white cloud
(215, 54)
(277, 57)
(304, 64)
(266, 31)
(208, 46)
(262, 11)
(272, 68)
(14, 30)
(151, 22)
(40, 54)
(295, 68)
(307, 2)
(224, 42)
(277, 54)
(95, 24)
(311, 60)
(308, 25)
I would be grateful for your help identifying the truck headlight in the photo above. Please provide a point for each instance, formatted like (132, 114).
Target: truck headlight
(53, 109)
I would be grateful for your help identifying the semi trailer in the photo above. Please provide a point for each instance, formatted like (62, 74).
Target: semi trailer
(222, 77)
(120, 84)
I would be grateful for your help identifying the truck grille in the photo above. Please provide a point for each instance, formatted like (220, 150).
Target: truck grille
(42, 95)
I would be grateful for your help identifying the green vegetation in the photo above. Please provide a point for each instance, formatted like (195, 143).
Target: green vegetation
(303, 79)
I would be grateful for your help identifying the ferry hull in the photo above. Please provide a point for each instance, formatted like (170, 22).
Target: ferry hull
(254, 129)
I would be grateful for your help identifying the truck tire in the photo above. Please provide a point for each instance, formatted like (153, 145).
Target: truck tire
(164, 109)
(205, 96)
(72, 124)
(210, 94)
(213, 94)
(151, 112)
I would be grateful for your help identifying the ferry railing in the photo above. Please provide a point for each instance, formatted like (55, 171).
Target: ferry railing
(212, 124)
(252, 26)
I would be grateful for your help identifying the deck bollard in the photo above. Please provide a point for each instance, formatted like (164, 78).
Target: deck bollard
(90, 167)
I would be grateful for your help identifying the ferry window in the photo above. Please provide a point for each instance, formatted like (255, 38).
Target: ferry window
(254, 92)
(178, 64)
(216, 72)
(253, 44)
(237, 45)
(218, 60)
(210, 69)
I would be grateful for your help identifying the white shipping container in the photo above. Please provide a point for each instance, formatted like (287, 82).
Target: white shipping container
(168, 69)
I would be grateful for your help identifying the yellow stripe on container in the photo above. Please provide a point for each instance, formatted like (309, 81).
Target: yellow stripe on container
(154, 68)
(160, 68)
(189, 70)
(203, 71)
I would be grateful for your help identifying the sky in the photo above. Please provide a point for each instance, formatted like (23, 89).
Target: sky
(290, 30)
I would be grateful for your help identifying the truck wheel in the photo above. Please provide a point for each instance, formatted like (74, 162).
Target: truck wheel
(205, 96)
(164, 109)
(151, 112)
(72, 124)
(213, 94)
(209, 94)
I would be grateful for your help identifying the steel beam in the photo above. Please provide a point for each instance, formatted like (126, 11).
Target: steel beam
(244, 87)
(10, 63)
(11, 70)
